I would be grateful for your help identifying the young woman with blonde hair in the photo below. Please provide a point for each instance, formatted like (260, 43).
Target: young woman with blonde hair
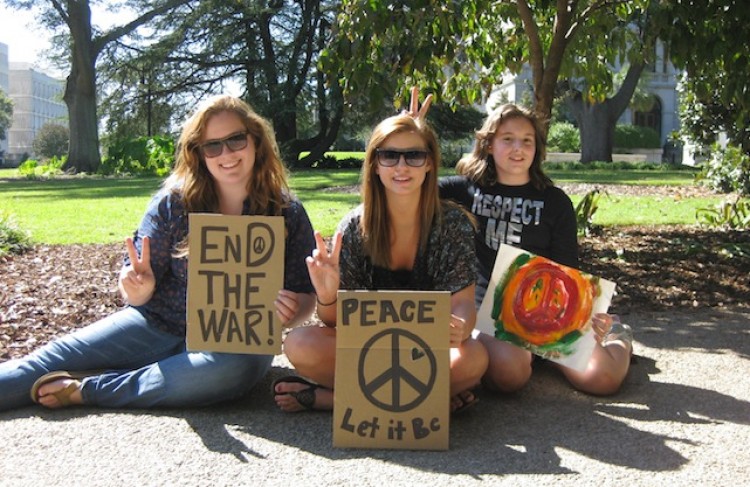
(402, 237)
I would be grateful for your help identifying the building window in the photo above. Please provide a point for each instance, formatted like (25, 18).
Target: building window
(651, 118)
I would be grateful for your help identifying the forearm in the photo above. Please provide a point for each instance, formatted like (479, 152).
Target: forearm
(463, 307)
(327, 310)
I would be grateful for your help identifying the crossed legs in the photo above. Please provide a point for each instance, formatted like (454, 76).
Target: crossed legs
(312, 351)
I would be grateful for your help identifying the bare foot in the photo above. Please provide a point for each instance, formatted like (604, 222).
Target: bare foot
(286, 400)
(60, 393)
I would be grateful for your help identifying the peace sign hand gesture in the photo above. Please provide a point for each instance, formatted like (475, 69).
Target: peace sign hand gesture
(417, 113)
(137, 281)
(324, 268)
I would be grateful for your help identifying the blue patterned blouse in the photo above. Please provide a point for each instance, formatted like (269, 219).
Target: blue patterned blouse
(166, 224)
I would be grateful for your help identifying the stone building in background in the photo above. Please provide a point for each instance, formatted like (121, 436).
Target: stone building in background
(37, 100)
(4, 87)
(659, 80)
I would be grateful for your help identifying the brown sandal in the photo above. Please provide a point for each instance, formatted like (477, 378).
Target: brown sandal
(63, 395)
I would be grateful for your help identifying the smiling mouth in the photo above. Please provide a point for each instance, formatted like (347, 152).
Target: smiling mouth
(230, 166)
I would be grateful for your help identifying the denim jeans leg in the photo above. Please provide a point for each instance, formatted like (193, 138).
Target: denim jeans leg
(121, 341)
(182, 380)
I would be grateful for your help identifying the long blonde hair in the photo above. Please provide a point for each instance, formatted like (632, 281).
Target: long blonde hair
(479, 166)
(375, 224)
(268, 188)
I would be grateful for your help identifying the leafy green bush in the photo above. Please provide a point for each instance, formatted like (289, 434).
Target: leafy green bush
(727, 170)
(633, 166)
(51, 140)
(727, 214)
(331, 162)
(13, 240)
(635, 137)
(32, 169)
(563, 137)
(585, 210)
(144, 156)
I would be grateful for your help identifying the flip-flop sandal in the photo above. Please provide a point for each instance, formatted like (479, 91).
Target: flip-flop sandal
(305, 397)
(465, 404)
(63, 395)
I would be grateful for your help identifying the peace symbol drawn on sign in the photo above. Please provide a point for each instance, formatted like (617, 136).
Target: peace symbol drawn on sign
(394, 374)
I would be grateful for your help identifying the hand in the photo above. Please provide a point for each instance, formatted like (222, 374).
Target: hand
(602, 323)
(137, 280)
(458, 331)
(287, 306)
(419, 114)
(324, 268)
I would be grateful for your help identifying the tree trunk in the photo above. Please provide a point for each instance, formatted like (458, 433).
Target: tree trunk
(80, 93)
(80, 97)
(596, 121)
(597, 130)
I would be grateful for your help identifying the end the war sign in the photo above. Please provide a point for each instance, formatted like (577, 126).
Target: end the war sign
(235, 271)
(392, 370)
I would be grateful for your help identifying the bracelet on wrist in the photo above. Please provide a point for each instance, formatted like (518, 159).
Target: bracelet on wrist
(326, 304)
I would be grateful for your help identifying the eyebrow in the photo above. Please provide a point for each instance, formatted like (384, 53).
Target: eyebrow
(409, 149)
(223, 138)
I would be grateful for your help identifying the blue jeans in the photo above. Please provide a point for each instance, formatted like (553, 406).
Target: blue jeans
(145, 367)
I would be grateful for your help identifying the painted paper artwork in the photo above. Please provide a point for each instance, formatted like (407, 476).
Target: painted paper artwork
(542, 306)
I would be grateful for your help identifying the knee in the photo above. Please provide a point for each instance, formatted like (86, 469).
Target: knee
(470, 360)
(305, 346)
(508, 372)
(600, 383)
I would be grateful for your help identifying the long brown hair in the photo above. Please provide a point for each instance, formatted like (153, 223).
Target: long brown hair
(268, 188)
(479, 166)
(375, 224)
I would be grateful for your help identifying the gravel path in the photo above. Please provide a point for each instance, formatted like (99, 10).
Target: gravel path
(682, 418)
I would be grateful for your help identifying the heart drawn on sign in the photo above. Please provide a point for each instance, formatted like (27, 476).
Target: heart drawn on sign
(416, 353)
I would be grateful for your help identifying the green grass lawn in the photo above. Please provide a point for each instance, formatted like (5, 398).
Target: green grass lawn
(635, 177)
(96, 210)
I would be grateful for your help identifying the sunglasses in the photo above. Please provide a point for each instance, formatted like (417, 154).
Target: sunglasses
(390, 158)
(214, 148)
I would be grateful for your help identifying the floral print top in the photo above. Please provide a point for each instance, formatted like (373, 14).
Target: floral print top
(447, 263)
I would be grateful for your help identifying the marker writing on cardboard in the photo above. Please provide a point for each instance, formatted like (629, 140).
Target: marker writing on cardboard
(231, 292)
(384, 311)
(417, 427)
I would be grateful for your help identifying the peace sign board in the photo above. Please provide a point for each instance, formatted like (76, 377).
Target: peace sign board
(235, 271)
(392, 370)
(543, 306)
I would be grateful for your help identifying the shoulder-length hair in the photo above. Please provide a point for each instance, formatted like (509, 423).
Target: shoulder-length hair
(479, 166)
(268, 189)
(375, 222)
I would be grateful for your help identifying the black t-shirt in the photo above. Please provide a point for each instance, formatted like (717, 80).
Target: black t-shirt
(542, 222)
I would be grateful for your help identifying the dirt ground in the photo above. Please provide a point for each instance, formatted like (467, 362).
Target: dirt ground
(52, 290)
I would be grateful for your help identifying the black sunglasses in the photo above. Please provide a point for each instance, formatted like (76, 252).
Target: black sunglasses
(390, 158)
(214, 148)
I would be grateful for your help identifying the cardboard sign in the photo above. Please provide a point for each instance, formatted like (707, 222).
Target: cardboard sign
(392, 370)
(543, 306)
(235, 271)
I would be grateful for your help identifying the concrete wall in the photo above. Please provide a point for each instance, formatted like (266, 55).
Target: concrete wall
(636, 155)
